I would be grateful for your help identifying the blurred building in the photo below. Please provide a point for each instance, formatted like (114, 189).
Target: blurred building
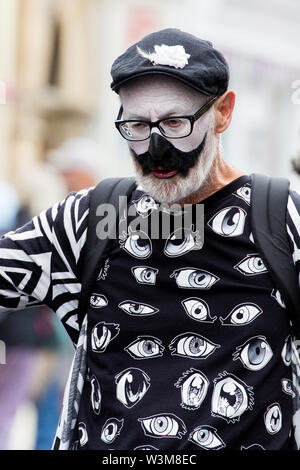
(55, 58)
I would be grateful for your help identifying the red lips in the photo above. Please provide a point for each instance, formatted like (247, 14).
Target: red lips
(159, 172)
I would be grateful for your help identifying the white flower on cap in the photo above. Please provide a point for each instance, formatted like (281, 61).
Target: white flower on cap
(174, 56)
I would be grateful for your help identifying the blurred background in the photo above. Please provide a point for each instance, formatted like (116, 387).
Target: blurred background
(57, 134)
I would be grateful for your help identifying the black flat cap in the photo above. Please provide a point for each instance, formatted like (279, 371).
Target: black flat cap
(177, 54)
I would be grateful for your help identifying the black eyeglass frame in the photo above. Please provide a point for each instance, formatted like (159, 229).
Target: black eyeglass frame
(192, 118)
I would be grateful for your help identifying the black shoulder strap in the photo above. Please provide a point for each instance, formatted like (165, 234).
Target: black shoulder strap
(269, 198)
(107, 191)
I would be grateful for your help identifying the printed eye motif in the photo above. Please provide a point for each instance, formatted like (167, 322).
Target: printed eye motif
(277, 295)
(194, 386)
(273, 418)
(146, 447)
(254, 354)
(231, 397)
(163, 425)
(244, 193)
(253, 447)
(132, 384)
(242, 314)
(251, 265)
(83, 435)
(192, 345)
(287, 387)
(229, 222)
(206, 437)
(286, 353)
(137, 309)
(145, 274)
(182, 241)
(192, 278)
(102, 334)
(95, 395)
(145, 205)
(197, 309)
(98, 301)
(137, 243)
(111, 429)
(145, 347)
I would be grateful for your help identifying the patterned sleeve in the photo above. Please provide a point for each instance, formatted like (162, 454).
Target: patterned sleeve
(293, 225)
(40, 262)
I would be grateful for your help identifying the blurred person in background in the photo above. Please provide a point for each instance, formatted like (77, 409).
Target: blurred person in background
(76, 162)
(164, 369)
(31, 338)
(39, 353)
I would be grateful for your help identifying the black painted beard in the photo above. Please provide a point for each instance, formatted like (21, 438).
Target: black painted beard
(163, 154)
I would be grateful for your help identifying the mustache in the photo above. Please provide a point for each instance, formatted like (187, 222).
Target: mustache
(161, 153)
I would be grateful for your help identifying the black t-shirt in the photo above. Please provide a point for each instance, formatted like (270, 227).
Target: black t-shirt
(189, 344)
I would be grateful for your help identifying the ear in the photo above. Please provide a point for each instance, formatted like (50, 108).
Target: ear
(223, 111)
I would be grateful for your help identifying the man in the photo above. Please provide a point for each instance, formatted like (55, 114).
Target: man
(186, 345)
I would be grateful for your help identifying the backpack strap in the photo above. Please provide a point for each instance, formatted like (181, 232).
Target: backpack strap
(269, 197)
(96, 249)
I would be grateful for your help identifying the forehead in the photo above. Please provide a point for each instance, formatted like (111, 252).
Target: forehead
(165, 92)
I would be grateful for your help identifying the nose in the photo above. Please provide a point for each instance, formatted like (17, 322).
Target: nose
(158, 147)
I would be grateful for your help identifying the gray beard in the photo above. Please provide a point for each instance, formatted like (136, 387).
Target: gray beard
(177, 188)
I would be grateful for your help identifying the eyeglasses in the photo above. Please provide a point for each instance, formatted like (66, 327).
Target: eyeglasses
(175, 127)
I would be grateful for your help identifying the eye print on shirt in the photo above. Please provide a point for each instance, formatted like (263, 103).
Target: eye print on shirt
(242, 314)
(229, 222)
(145, 205)
(286, 353)
(231, 397)
(137, 309)
(192, 278)
(287, 387)
(163, 425)
(132, 384)
(136, 243)
(194, 385)
(244, 193)
(254, 353)
(277, 295)
(95, 395)
(145, 447)
(192, 345)
(198, 310)
(145, 347)
(273, 418)
(182, 241)
(253, 447)
(98, 301)
(102, 334)
(111, 429)
(251, 265)
(83, 435)
(145, 274)
(207, 438)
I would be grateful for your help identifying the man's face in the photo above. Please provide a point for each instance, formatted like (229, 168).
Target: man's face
(169, 169)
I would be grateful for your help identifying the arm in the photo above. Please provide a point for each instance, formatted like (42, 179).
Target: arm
(40, 262)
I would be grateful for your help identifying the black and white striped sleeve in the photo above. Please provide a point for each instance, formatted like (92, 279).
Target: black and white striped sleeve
(293, 225)
(39, 262)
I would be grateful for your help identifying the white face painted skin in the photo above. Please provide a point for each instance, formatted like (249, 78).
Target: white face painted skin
(153, 98)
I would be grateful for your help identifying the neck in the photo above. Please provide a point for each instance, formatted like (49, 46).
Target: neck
(220, 175)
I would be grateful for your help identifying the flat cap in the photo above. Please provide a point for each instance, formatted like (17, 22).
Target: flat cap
(177, 54)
